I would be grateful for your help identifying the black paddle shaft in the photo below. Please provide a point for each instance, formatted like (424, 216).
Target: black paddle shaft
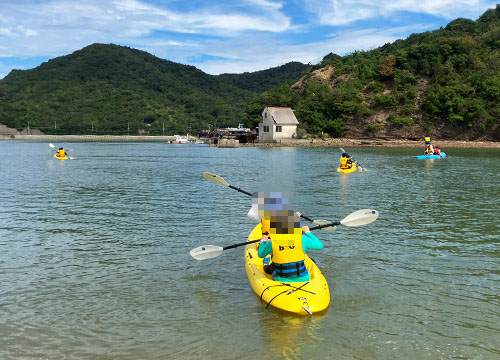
(254, 241)
(240, 190)
(240, 244)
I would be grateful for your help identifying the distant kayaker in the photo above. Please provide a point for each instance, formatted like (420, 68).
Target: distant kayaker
(288, 242)
(428, 147)
(429, 150)
(345, 161)
(61, 153)
(437, 151)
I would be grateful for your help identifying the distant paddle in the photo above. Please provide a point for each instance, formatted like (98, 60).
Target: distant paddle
(220, 181)
(357, 218)
(357, 162)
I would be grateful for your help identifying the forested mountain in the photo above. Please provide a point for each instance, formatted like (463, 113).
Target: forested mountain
(445, 82)
(113, 88)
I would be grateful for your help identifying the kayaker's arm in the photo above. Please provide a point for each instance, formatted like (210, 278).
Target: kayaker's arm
(310, 241)
(265, 248)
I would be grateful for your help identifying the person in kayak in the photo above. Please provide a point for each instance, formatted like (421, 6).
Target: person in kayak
(345, 161)
(437, 151)
(287, 242)
(61, 153)
(429, 150)
(428, 146)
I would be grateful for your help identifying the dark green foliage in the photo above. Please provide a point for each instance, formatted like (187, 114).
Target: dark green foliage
(401, 121)
(385, 101)
(375, 87)
(261, 81)
(373, 129)
(448, 78)
(113, 88)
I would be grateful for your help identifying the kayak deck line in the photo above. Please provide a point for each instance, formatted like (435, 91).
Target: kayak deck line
(286, 291)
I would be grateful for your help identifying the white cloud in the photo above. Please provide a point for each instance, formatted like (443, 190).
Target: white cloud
(6, 31)
(213, 22)
(266, 4)
(343, 12)
(249, 34)
(246, 55)
(62, 26)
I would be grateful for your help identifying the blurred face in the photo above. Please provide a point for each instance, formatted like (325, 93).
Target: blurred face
(268, 202)
(284, 222)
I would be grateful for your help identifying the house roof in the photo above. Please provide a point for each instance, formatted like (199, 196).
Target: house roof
(283, 115)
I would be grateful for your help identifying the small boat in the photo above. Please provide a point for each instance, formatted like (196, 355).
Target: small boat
(442, 155)
(181, 140)
(304, 298)
(352, 169)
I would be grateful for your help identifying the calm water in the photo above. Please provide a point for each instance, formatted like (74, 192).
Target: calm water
(94, 259)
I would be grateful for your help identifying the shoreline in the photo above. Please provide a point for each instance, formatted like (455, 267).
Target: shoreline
(330, 142)
(404, 143)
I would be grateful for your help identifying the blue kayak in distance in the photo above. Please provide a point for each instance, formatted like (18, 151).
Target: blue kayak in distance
(421, 157)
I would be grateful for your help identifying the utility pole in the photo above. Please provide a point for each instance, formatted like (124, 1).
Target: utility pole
(164, 128)
(28, 127)
(55, 125)
(92, 126)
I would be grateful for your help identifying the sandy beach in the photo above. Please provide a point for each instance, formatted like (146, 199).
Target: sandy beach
(327, 142)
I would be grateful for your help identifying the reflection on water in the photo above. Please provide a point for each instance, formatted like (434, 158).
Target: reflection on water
(289, 337)
(94, 256)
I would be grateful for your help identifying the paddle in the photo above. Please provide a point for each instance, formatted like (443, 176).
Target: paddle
(53, 147)
(357, 218)
(219, 180)
(357, 162)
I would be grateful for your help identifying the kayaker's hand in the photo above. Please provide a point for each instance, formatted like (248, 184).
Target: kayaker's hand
(305, 229)
(264, 238)
(299, 214)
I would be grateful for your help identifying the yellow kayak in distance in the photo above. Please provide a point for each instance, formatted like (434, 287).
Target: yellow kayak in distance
(304, 298)
(352, 169)
(65, 157)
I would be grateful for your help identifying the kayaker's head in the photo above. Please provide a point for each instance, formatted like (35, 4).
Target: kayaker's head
(285, 222)
(61, 148)
(345, 155)
(269, 201)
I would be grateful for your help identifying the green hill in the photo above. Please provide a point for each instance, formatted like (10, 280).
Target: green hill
(445, 82)
(112, 88)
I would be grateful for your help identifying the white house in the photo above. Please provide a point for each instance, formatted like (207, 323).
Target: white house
(277, 123)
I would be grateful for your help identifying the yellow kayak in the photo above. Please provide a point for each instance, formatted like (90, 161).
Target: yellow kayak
(304, 298)
(60, 157)
(347, 171)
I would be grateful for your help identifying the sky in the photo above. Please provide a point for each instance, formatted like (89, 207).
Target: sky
(226, 36)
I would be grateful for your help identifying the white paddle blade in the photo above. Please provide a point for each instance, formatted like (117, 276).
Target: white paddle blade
(52, 146)
(215, 178)
(360, 217)
(206, 252)
(323, 222)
